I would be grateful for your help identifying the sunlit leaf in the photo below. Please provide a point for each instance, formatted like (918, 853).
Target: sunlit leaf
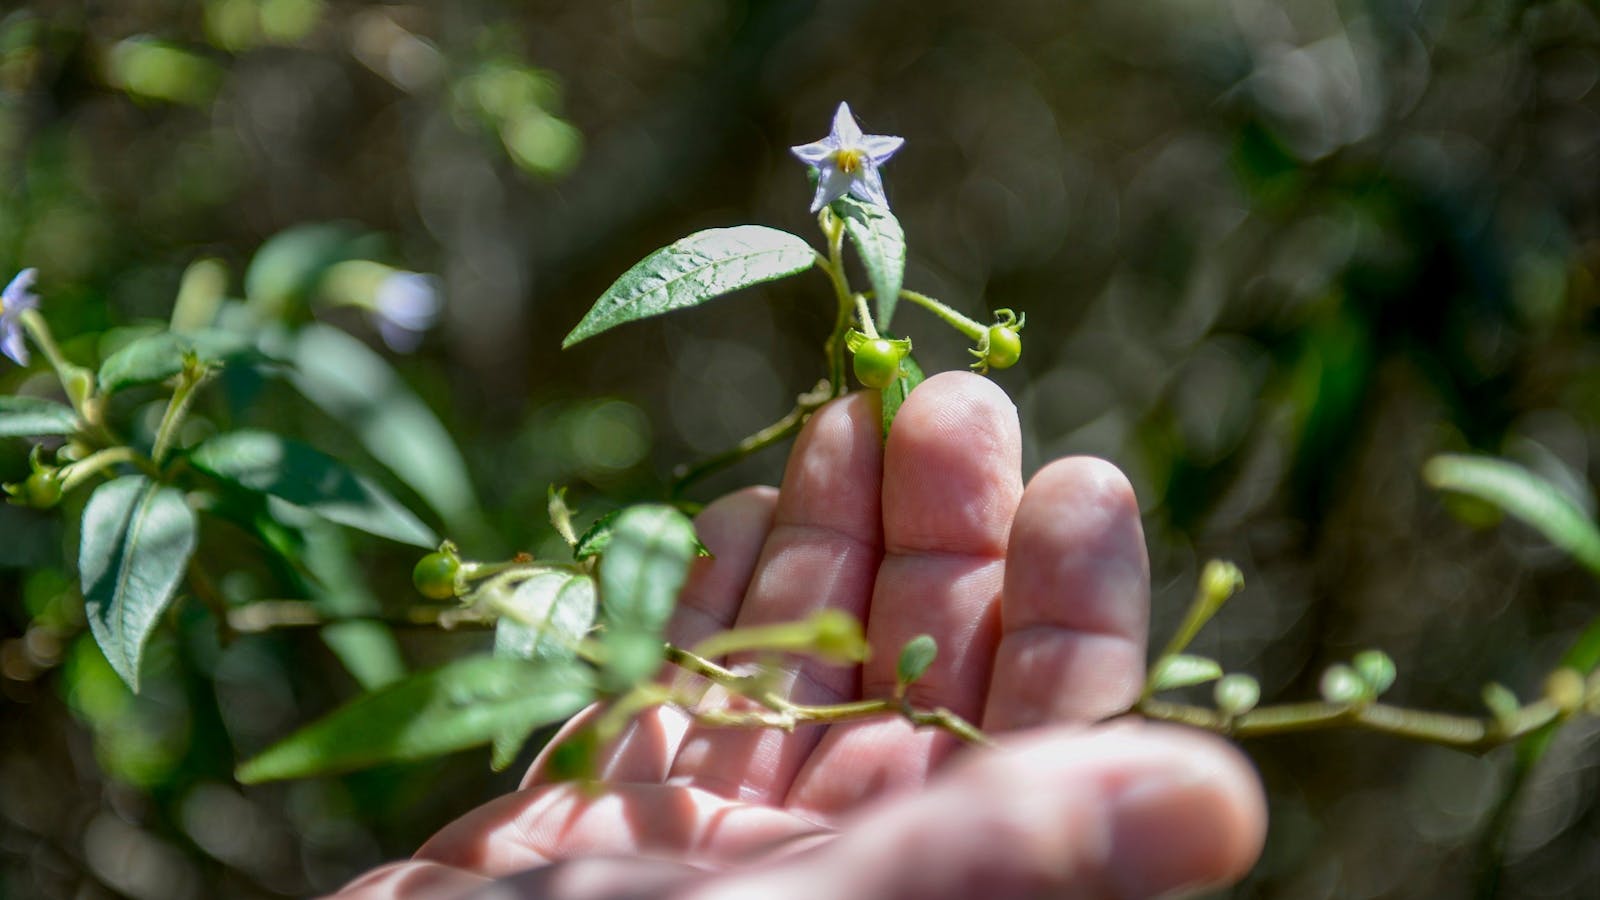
(464, 704)
(1183, 670)
(1524, 495)
(301, 475)
(702, 266)
(28, 416)
(545, 616)
(135, 546)
(881, 243)
(640, 574)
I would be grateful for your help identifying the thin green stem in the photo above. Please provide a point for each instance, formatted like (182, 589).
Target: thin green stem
(833, 229)
(77, 473)
(75, 380)
(39, 330)
(778, 431)
(956, 320)
(867, 326)
(1461, 732)
(188, 381)
(270, 615)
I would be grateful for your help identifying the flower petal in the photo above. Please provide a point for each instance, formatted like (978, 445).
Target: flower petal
(868, 185)
(12, 344)
(845, 130)
(831, 185)
(881, 146)
(16, 294)
(817, 152)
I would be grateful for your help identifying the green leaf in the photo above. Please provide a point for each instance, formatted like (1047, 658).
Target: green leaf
(1183, 670)
(915, 658)
(348, 380)
(1523, 495)
(644, 565)
(894, 396)
(597, 537)
(881, 243)
(136, 541)
(464, 704)
(545, 616)
(157, 357)
(301, 475)
(29, 416)
(702, 266)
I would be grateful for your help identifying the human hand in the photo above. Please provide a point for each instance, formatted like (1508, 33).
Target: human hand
(1039, 601)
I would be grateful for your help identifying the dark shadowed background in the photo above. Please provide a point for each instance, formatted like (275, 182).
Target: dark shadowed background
(1274, 255)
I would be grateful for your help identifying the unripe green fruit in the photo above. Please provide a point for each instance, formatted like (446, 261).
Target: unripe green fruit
(43, 488)
(877, 363)
(1005, 347)
(435, 576)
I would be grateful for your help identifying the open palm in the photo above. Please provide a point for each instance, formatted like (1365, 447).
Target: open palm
(1038, 599)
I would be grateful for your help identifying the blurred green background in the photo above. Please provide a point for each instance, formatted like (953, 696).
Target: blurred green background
(1273, 255)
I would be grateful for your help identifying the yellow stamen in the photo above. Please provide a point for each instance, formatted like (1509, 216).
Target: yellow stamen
(848, 161)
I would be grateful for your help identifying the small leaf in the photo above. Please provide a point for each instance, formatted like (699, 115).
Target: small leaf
(894, 396)
(881, 243)
(545, 616)
(1523, 495)
(157, 357)
(1502, 704)
(296, 473)
(1183, 670)
(136, 542)
(915, 658)
(353, 383)
(464, 704)
(29, 416)
(702, 266)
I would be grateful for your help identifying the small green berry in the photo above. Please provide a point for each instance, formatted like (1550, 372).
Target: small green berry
(435, 575)
(1005, 347)
(42, 490)
(877, 363)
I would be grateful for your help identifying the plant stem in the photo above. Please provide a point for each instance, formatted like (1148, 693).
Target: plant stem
(66, 372)
(1461, 732)
(833, 229)
(267, 615)
(100, 460)
(188, 380)
(780, 430)
(954, 319)
(867, 326)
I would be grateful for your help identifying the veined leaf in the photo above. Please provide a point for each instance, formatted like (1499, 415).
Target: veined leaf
(463, 704)
(28, 416)
(301, 475)
(702, 266)
(881, 243)
(545, 617)
(896, 393)
(1521, 494)
(597, 537)
(136, 542)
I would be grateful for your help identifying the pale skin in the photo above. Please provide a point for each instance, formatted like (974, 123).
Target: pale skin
(1039, 600)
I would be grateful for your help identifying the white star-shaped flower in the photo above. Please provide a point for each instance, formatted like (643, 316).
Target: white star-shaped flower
(847, 161)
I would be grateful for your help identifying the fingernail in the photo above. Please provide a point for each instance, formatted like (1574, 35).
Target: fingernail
(1168, 836)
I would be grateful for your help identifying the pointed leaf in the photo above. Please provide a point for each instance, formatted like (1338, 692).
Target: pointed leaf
(915, 658)
(1523, 495)
(136, 542)
(896, 393)
(881, 243)
(545, 617)
(702, 266)
(348, 380)
(1183, 670)
(464, 704)
(597, 537)
(29, 416)
(301, 475)
(157, 357)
